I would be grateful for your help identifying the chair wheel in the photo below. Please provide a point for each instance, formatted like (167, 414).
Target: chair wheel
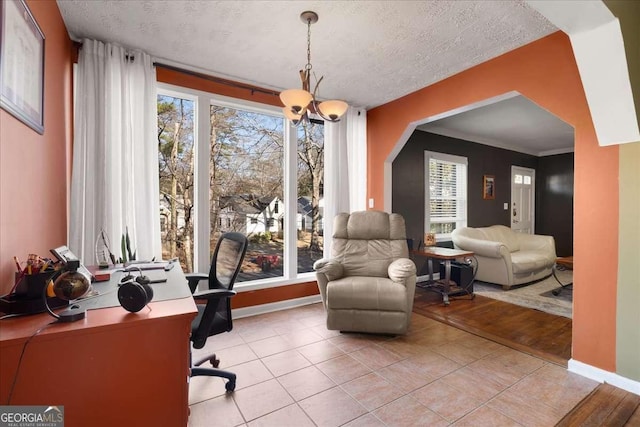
(230, 385)
(215, 362)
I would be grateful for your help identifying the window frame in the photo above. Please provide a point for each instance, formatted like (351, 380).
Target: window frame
(201, 227)
(462, 181)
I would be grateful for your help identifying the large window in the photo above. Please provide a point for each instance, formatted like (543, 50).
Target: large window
(446, 193)
(240, 167)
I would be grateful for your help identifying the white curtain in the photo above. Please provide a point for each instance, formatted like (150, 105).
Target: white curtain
(345, 174)
(114, 183)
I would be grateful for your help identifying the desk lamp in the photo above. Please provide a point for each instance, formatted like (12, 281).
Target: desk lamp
(70, 285)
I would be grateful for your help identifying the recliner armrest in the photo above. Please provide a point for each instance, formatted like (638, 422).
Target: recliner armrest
(214, 294)
(194, 279)
(326, 271)
(331, 268)
(401, 269)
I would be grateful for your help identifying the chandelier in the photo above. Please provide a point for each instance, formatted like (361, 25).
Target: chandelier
(298, 103)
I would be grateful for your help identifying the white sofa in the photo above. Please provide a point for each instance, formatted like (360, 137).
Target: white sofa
(506, 257)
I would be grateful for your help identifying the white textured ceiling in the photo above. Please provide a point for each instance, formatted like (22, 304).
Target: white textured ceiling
(369, 52)
(516, 123)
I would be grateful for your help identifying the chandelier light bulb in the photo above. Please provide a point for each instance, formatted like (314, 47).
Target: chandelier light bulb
(333, 109)
(290, 115)
(296, 99)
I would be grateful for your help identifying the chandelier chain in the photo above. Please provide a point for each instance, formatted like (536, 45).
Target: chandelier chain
(308, 66)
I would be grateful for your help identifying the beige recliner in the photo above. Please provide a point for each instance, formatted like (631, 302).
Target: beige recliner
(369, 283)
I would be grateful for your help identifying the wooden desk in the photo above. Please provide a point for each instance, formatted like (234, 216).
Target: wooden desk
(446, 255)
(111, 368)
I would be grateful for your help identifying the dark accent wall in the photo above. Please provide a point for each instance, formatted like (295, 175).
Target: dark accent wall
(554, 200)
(554, 215)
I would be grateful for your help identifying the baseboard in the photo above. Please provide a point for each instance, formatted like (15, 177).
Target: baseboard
(274, 306)
(603, 376)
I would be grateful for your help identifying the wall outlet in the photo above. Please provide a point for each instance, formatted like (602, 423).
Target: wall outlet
(506, 206)
(371, 203)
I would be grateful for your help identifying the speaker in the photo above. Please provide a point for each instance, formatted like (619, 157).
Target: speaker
(134, 292)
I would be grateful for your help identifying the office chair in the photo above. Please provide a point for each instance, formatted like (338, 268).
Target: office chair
(214, 317)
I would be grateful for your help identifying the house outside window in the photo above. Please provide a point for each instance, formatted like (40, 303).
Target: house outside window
(446, 193)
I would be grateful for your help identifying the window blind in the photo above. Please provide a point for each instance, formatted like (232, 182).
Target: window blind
(446, 198)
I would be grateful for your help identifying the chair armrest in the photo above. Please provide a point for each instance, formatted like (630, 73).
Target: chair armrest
(486, 248)
(194, 279)
(401, 269)
(326, 271)
(214, 294)
(332, 268)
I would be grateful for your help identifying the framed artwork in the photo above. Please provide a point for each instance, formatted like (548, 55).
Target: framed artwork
(22, 53)
(488, 187)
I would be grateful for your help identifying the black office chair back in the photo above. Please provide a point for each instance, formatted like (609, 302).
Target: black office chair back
(227, 260)
(215, 317)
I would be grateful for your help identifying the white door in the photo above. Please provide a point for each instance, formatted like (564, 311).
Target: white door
(523, 190)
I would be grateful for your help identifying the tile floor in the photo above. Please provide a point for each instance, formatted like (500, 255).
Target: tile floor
(292, 371)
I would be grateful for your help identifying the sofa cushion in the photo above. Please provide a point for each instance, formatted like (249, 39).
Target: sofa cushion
(528, 261)
(367, 293)
(502, 234)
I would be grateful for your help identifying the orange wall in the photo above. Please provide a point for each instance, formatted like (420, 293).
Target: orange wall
(34, 168)
(545, 72)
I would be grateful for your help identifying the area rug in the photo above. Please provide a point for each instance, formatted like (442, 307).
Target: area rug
(537, 295)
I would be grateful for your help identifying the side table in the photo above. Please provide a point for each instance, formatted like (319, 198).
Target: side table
(447, 255)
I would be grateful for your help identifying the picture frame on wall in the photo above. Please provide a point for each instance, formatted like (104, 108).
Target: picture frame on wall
(488, 187)
(22, 65)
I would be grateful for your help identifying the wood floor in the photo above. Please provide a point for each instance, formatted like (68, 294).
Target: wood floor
(537, 333)
(605, 406)
(531, 331)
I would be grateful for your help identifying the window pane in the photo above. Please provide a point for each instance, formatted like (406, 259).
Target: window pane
(176, 157)
(517, 179)
(527, 180)
(246, 177)
(442, 228)
(309, 217)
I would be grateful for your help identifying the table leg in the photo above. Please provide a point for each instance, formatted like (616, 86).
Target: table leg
(557, 291)
(430, 267)
(447, 277)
